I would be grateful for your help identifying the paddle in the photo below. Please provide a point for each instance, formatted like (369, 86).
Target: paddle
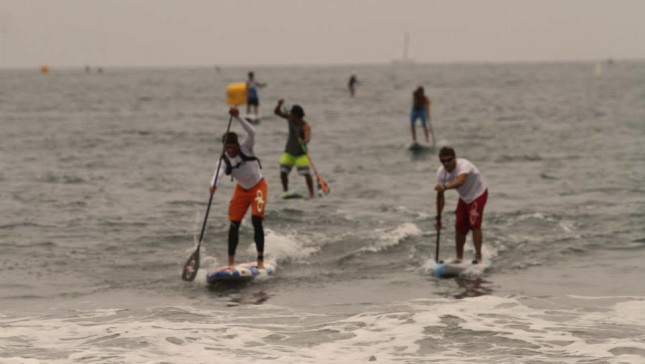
(436, 254)
(192, 264)
(322, 186)
(434, 141)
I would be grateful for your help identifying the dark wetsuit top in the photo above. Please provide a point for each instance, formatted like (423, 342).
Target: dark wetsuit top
(296, 133)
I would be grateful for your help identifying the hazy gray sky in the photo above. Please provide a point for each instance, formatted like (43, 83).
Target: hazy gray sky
(255, 32)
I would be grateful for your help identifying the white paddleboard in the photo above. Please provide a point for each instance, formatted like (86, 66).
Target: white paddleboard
(242, 272)
(466, 267)
(252, 118)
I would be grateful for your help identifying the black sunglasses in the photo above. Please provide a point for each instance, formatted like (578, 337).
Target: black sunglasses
(446, 161)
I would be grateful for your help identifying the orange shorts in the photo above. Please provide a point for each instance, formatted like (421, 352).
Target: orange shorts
(256, 196)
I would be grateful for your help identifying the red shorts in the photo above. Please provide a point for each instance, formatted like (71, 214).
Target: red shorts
(256, 196)
(469, 215)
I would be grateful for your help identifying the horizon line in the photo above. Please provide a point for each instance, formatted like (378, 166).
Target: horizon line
(393, 62)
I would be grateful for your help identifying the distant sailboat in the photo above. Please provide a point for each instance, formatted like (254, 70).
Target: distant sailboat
(405, 59)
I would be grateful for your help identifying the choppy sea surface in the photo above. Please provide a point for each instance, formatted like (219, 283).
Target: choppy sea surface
(104, 186)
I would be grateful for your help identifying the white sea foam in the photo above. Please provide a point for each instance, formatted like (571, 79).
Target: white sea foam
(16, 360)
(283, 246)
(413, 331)
(386, 238)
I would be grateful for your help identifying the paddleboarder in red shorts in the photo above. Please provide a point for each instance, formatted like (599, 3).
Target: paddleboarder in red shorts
(462, 175)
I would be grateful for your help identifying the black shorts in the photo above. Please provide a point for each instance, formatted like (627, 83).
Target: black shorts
(255, 102)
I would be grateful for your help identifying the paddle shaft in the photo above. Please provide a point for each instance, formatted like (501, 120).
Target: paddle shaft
(201, 235)
(210, 200)
(436, 255)
(439, 208)
(192, 265)
(313, 166)
(434, 140)
(304, 147)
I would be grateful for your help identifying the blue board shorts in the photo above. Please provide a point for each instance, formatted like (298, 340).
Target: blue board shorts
(418, 114)
(253, 101)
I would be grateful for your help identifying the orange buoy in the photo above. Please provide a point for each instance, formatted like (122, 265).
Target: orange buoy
(44, 69)
(236, 93)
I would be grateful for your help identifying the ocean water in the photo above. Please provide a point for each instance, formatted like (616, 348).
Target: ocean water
(104, 186)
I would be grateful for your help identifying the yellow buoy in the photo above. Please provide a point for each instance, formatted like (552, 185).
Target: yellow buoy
(236, 93)
(44, 69)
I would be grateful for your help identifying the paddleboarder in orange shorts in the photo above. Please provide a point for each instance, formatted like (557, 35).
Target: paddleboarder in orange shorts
(240, 162)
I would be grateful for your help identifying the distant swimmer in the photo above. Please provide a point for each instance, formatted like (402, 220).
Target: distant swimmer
(252, 98)
(462, 175)
(420, 110)
(295, 151)
(352, 85)
(240, 162)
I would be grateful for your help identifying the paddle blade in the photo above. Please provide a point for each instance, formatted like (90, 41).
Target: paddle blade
(191, 267)
(323, 187)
